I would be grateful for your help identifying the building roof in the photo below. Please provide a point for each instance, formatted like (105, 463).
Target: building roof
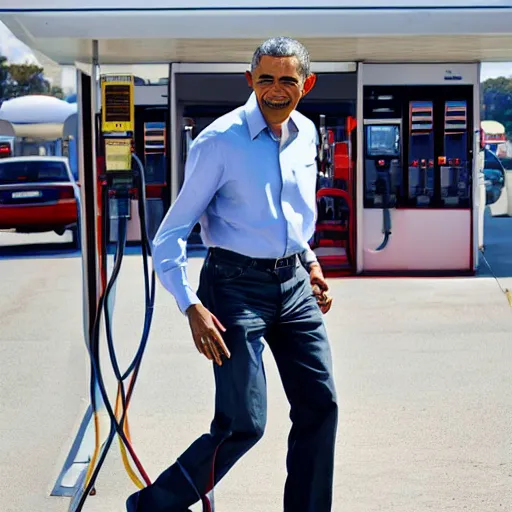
(155, 31)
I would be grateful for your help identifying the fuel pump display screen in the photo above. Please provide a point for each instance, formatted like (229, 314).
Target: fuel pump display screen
(383, 173)
(117, 104)
(383, 141)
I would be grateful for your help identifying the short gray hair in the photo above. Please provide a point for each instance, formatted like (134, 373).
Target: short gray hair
(283, 47)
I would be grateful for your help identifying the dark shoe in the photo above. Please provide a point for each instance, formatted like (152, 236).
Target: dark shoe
(131, 503)
(133, 500)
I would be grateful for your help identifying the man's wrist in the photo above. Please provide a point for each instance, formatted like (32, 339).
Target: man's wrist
(313, 265)
(193, 307)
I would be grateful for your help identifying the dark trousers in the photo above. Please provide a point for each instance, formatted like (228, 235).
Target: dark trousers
(278, 307)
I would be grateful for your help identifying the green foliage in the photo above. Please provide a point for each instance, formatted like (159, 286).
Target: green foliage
(24, 79)
(27, 79)
(497, 101)
(57, 92)
(4, 77)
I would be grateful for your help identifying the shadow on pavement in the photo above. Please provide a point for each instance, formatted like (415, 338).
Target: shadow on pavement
(67, 250)
(27, 251)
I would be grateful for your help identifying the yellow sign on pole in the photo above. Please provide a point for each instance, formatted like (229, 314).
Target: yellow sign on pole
(118, 155)
(118, 103)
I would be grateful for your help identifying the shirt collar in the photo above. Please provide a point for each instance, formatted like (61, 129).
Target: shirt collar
(256, 121)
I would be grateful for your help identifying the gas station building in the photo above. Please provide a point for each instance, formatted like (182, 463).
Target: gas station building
(397, 100)
(400, 188)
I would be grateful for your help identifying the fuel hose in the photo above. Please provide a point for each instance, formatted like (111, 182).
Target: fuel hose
(386, 214)
(118, 417)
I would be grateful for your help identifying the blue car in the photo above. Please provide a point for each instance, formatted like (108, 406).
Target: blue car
(494, 177)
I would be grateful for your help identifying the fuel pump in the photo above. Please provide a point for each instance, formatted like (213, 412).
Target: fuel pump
(382, 154)
(418, 140)
(120, 180)
(383, 167)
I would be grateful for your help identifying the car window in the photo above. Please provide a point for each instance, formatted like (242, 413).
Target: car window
(507, 163)
(32, 172)
(492, 161)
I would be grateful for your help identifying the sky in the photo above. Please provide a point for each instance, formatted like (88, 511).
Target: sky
(17, 52)
(12, 48)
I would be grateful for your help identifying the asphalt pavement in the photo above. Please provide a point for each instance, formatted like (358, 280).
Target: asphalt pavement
(422, 368)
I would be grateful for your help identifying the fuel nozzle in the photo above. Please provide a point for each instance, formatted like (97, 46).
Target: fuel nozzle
(188, 125)
(324, 151)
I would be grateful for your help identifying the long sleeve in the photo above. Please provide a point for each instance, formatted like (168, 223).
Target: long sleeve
(308, 256)
(203, 173)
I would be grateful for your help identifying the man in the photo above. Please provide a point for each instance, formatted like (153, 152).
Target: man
(250, 181)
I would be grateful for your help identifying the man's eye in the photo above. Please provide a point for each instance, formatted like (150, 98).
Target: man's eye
(265, 81)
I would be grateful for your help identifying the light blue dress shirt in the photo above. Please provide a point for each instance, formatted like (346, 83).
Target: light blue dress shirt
(251, 193)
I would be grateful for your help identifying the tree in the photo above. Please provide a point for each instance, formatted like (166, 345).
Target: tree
(24, 79)
(27, 79)
(497, 101)
(4, 77)
(57, 92)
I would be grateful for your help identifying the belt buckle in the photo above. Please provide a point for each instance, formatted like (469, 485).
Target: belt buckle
(281, 260)
(276, 264)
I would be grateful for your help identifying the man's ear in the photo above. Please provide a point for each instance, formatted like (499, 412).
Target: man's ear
(309, 84)
(248, 77)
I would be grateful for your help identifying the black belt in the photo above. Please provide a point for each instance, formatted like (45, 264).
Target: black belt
(266, 264)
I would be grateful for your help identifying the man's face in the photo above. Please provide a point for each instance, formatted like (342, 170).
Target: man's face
(279, 86)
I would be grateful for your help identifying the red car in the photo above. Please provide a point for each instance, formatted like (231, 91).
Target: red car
(39, 194)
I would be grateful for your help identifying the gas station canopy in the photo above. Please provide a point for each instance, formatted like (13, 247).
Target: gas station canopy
(157, 31)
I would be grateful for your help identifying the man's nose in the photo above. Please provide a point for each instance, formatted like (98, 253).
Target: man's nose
(277, 87)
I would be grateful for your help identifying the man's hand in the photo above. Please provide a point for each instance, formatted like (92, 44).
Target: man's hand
(320, 287)
(205, 330)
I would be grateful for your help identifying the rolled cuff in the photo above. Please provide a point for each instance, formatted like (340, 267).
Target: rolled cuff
(175, 281)
(307, 257)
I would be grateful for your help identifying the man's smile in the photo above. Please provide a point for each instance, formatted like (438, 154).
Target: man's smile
(276, 104)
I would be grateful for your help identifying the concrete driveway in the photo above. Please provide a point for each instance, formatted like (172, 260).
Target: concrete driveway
(422, 369)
